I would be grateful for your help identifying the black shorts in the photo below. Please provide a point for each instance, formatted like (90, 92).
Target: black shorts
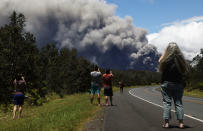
(19, 99)
(108, 91)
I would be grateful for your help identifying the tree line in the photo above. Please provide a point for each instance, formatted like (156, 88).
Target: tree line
(195, 75)
(52, 70)
(48, 69)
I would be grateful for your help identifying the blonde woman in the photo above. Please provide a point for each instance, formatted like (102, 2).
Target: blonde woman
(173, 66)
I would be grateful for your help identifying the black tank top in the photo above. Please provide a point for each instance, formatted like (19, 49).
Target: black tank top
(172, 74)
(20, 86)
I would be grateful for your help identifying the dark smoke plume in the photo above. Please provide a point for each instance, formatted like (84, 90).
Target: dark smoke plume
(90, 26)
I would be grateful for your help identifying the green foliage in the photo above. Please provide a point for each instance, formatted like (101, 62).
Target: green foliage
(134, 77)
(49, 70)
(18, 53)
(46, 70)
(60, 114)
(195, 76)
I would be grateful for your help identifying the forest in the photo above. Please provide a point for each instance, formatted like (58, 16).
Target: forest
(194, 78)
(52, 70)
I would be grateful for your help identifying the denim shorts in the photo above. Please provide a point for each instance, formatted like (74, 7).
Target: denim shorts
(19, 99)
(95, 88)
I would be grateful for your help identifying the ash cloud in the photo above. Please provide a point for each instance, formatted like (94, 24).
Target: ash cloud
(90, 26)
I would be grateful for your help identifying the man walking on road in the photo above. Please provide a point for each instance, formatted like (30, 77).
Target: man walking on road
(95, 84)
(121, 86)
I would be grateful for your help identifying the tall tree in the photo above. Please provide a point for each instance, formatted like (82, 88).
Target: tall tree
(18, 54)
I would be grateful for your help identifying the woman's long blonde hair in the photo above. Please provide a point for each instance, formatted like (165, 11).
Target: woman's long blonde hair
(173, 53)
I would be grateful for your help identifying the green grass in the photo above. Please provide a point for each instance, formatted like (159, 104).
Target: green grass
(68, 114)
(57, 115)
(195, 90)
(193, 93)
(188, 92)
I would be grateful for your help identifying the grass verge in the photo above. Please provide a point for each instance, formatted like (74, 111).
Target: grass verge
(65, 114)
(188, 92)
(194, 93)
(68, 114)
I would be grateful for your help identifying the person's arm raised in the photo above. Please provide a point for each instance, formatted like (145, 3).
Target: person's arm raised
(161, 57)
(111, 73)
(99, 70)
(15, 84)
(23, 79)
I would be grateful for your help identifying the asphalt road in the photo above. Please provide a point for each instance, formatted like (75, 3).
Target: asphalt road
(141, 109)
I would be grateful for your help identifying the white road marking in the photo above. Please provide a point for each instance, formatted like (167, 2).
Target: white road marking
(133, 94)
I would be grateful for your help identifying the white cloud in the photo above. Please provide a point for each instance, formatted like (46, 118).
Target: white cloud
(188, 34)
(193, 19)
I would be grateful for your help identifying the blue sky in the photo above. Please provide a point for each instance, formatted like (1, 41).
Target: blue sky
(151, 14)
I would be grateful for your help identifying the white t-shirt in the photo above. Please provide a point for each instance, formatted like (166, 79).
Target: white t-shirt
(96, 77)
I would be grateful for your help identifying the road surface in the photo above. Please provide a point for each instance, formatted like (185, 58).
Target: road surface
(140, 109)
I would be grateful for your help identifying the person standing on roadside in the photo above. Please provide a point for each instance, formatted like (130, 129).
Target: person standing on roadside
(173, 66)
(20, 85)
(95, 84)
(121, 86)
(108, 91)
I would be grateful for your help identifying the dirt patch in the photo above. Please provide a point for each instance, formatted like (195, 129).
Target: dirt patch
(96, 124)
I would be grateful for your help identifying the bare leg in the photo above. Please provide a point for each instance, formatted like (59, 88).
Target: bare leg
(111, 100)
(98, 99)
(106, 100)
(91, 98)
(14, 111)
(20, 111)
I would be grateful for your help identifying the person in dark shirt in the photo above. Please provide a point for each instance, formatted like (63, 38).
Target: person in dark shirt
(173, 66)
(121, 86)
(19, 84)
(107, 81)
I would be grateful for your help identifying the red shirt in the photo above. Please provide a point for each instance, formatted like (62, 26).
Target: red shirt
(121, 85)
(107, 79)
